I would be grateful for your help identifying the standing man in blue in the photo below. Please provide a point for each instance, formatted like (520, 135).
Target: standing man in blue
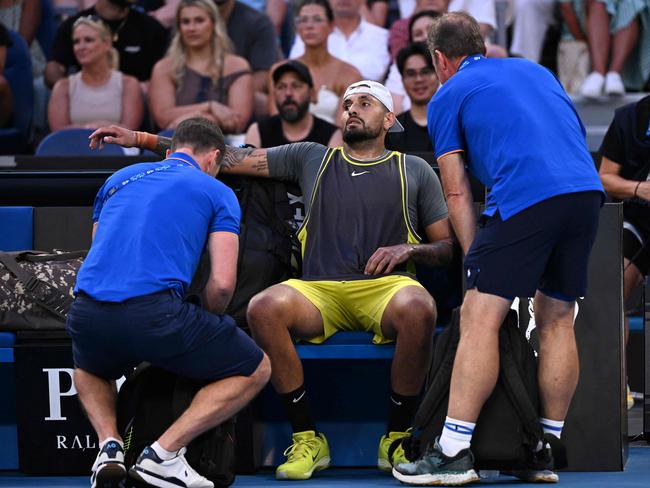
(517, 130)
(151, 224)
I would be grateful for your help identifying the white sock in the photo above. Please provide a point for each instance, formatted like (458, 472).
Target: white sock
(110, 439)
(456, 436)
(553, 427)
(163, 453)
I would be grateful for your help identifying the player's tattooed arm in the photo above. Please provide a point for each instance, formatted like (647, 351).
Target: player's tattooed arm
(245, 161)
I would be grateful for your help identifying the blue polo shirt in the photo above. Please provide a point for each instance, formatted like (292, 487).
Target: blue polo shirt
(519, 131)
(153, 222)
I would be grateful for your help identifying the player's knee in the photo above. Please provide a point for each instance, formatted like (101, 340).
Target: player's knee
(265, 309)
(417, 313)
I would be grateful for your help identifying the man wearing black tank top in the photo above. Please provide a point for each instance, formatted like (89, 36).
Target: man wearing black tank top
(368, 210)
(293, 89)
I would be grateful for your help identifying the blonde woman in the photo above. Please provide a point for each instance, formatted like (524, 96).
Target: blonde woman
(99, 94)
(200, 76)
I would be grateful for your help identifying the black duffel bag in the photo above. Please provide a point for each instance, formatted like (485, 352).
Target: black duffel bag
(507, 430)
(36, 289)
(149, 401)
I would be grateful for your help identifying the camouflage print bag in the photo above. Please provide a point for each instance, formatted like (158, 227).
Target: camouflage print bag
(36, 288)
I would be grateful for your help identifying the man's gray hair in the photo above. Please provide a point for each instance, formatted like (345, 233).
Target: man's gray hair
(455, 34)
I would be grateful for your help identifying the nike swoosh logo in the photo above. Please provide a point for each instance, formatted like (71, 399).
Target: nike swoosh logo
(354, 173)
(399, 404)
(315, 455)
(296, 400)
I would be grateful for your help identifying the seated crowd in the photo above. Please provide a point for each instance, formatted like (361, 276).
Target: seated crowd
(216, 57)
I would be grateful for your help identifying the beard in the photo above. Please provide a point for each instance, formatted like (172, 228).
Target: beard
(361, 134)
(293, 113)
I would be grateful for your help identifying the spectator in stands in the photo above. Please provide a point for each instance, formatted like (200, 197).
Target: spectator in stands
(354, 40)
(99, 94)
(532, 19)
(375, 12)
(400, 31)
(200, 75)
(314, 24)
(293, 90)
(139, 39)
(535, 236)
(24, 17)
(418, 30)
(5, 89)
(484, 11)
(276, 10)
(420, 81)
(361, 229)
(148, 238)
(625, 173)
(254, 38)
(619, 46)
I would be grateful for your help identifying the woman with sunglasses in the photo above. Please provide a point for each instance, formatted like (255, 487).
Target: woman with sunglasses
(98, 94)
(200, 76)
(331, 75)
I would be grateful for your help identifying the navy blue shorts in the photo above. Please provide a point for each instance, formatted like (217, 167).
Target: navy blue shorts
(545, 247)
(110, 338)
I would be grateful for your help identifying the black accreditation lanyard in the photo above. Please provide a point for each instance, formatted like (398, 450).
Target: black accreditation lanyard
(164, 167)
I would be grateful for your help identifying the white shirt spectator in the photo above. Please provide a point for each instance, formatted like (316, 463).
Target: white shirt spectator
(406, 8)
(366, 49)
(532, 19)
(482, 10)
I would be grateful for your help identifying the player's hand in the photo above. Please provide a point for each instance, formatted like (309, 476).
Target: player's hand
(112, 134)
(385, 259)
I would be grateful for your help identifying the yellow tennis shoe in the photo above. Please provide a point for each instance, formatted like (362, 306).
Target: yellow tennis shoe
(308, 453)
(391, 452)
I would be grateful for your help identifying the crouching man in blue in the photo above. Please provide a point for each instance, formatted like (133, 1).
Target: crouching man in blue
(151, 223)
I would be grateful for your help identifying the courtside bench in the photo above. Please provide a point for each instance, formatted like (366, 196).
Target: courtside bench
(364, 366)
(349, 383)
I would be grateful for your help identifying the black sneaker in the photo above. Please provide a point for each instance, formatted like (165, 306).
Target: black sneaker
(434, 468)
(108, 468)
(541, 469)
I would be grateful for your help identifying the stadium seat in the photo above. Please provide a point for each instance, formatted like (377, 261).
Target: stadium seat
(18, 72)
(16, 228)
(73, 142)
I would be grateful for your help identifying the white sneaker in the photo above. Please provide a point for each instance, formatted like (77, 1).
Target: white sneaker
(614, 84)
(173, 473)
(108, 468)
(592, 87)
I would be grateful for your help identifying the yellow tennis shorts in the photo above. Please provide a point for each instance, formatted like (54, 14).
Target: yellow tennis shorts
(352, 305)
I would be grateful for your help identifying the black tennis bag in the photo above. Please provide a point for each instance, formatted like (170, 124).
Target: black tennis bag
(508, 430)
(266, 242)
(36, 289)
(149, 401)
